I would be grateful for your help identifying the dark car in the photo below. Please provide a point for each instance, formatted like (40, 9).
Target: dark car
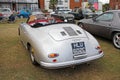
(83, 13)
(106, 25)
(63, 16)
(88, 13)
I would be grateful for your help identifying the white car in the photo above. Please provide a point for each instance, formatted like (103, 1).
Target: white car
(6, 12)
(38, 11)
(56, 44)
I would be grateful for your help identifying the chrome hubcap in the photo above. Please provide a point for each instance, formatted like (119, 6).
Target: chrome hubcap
(117, 40)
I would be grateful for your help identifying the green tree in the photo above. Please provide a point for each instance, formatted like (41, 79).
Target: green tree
(106, 7)
(52, 4)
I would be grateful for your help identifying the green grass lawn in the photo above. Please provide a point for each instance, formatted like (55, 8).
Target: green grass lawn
(15, 62)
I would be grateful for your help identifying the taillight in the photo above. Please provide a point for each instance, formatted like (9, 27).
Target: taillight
(99, 49)
(53, 55)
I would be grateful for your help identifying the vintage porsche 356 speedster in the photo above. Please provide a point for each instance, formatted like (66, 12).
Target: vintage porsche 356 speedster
(56, 44)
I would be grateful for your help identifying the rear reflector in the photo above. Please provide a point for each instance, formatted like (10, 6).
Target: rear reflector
(55, 60)
(99, 49)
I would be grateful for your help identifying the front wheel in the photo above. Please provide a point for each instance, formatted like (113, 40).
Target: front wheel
(116, 40)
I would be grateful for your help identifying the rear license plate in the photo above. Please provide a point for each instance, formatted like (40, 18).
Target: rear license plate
(78, 48)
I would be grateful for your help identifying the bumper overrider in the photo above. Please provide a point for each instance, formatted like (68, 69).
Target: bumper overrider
(70, 63)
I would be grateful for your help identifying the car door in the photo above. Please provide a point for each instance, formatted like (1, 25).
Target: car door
(102, 24)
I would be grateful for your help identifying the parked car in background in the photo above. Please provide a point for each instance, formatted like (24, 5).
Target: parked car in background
(83, 13)
(52, 12)
(38, 11)
(5, 12)
(63, 16)
(54, 44)
(106, 25)
(88, 13)
(24, 13)
(99, 12)
(67, 10)
(62, 11)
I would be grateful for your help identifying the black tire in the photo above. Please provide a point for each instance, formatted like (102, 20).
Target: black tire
(116, 40)
(31, 52)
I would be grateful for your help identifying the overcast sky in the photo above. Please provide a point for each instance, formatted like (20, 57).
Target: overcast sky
(104, 1)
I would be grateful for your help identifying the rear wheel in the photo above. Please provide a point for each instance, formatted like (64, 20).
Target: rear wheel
(31, 52)
(116, 40)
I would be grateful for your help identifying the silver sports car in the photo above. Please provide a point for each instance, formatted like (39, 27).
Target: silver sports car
(55, 44)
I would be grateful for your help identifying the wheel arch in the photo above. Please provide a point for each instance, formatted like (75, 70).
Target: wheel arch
(112, 34)
(28, 46)
(19, 31)
(79, 23)
(82, 25)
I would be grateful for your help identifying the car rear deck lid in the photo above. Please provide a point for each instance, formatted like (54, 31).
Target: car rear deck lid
(64, 33)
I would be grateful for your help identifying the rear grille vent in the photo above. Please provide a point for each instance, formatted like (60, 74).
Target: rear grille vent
(78, 32)
(70, 31)
(63, 33)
